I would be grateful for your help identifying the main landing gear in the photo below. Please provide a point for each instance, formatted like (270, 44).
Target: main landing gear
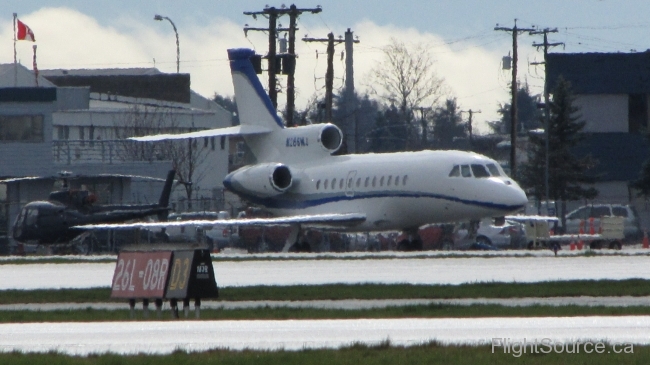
(412, 242)
(296, 242)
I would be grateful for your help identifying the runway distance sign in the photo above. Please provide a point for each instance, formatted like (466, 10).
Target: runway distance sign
(141, 274)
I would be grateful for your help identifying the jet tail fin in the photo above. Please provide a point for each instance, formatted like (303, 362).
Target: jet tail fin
(166, 192)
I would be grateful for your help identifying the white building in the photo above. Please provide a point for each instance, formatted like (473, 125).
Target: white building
(76, 120)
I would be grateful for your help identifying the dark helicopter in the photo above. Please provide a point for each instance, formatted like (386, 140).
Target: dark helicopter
(51, 221)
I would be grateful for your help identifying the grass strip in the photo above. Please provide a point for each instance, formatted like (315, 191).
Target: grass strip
(355, 354)
(269, 313)
(595, 288)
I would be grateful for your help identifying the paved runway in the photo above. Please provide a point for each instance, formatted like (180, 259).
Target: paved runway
(430, 270)
(165, 337)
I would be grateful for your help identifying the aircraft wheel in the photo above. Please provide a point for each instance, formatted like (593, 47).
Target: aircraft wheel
(483, 240)
(615, 245)
(596, 245)
(447, 245)
(416, 244)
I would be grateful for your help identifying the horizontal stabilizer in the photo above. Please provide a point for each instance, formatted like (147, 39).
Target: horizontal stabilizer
(229, 131)
(528, 218)
(329, 220)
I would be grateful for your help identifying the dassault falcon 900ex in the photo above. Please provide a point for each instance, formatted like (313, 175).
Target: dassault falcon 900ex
(297, 177)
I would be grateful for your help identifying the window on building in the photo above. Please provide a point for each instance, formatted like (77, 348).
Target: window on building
(21, 128)
(91, 135)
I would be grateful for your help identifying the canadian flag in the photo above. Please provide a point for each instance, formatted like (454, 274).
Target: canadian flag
(24, 33)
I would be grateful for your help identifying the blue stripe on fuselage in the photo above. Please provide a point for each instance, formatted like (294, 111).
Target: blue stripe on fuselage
(293, 201)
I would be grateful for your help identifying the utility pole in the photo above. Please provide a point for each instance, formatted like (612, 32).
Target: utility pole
(329, 74)
(547, 115)
(273, 14)
(469, 124)
(513, 107)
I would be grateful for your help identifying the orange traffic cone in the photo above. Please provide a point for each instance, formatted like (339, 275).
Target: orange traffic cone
(646, 244)
(572, 245)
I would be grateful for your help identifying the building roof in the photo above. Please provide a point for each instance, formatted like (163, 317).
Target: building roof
(21, 77)
(102, 72)
(601, 73)
(620, 156)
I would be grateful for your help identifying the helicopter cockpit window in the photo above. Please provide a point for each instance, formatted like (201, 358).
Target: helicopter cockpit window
(31, 216)
(479, 171)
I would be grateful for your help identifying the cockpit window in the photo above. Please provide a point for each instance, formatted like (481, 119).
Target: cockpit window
(494, 171)
(464, 170)
(455, 171)
(31, 216)
(479, 171)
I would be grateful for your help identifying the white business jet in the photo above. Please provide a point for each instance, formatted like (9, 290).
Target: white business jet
(298, 179)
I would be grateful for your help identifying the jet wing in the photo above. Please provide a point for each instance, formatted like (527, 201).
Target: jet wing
(328, 220)
(229, 131)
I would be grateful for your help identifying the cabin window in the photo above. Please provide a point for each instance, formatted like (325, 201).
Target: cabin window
(358, 182)
(455, 171)
(333, 184)
(465, 171)
(405, 179)
(325, 185)
(349, 183)
(494, 171)
(381, 181)
(390, 179)
(374, 181)
(396, 180)
(365, 184)
(341, 184)
(479, 171)
(318, 185)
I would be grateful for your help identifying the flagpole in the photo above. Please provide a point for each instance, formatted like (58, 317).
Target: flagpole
(35, 67)
(15, 62)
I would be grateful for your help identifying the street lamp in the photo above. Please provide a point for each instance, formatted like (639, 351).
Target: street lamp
(178, 48)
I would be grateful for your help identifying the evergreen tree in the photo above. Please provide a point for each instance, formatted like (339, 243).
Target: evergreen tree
(567, 172)
(448, 125)
(642, 184)
(528, 115)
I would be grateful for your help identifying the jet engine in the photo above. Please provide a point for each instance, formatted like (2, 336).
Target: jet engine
(331, 137)
(264, 180)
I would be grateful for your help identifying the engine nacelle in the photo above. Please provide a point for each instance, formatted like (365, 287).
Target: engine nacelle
(262, 180)
(328, 137)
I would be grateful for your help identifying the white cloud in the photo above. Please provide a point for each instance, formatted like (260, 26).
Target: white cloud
(69, 39)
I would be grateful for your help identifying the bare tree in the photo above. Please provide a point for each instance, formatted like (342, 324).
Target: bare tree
(405, 78)
(185, 155)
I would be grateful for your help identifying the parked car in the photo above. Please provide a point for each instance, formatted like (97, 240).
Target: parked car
(631, 228)
(510, 234)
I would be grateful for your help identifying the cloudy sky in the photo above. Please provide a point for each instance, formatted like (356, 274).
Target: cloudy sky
(460, 35)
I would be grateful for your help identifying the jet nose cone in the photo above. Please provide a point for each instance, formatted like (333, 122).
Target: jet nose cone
(518, 196)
